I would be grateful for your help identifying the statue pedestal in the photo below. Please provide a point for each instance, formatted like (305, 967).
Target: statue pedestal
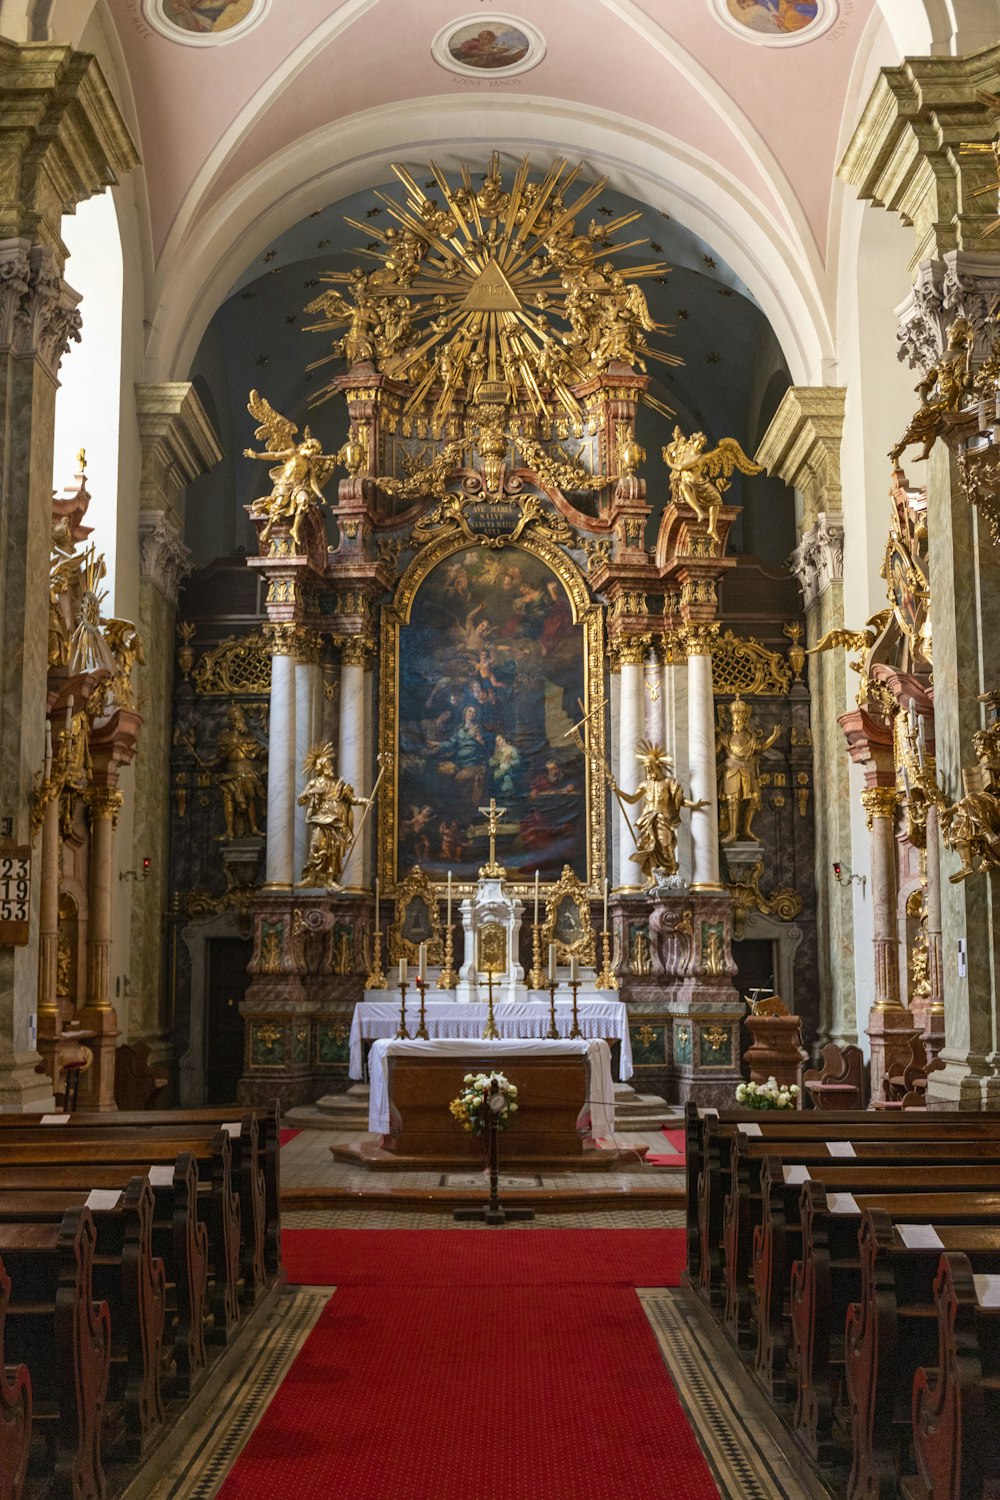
(692, 935)
(491, 924)
(741, 856)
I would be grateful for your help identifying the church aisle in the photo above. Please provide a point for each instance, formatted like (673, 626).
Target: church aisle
(446, 1364)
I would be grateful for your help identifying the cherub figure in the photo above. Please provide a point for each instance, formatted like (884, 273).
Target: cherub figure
(951, 378)
(699, 479)
(301, 469)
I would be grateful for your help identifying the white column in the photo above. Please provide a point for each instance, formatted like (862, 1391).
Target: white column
(676, 714)
(630, 732)
(701, 757)
(654, 692)
(306, 673)
(281, 768)
(617, 770)
(354, 757)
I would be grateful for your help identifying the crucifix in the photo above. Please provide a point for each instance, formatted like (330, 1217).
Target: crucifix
(493, 814)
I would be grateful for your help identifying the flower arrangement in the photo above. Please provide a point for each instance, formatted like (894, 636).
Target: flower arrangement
(769, 1095)
(476, 1088)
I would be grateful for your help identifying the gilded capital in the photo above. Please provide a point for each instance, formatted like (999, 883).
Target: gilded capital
(698, 637)
(356, 651)
(628, 651)
(879, 802)
(104, 802)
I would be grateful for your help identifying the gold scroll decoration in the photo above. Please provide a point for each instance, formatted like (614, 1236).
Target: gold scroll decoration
(417, 920)
(744, 667)
(239, 666)
(567, 920)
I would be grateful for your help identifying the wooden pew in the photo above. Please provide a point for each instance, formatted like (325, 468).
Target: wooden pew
(891, 1333)
(15, 1411)
(956, 1404)
(129, 1278)
(915, 1191)
(218, 1205)
(178, 1239)
(55, 1327)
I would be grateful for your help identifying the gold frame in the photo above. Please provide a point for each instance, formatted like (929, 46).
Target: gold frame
(415, 885)
(569, 886)
(586, 614)
(492, 935)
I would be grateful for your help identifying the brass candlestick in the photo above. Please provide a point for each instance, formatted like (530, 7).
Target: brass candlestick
(607, 978)
(536, 979)
(552, 1035)
(376, 979)
(423, 1035)
(447, 979)
(574, 1030)
(491, 1033)
(402, 1035)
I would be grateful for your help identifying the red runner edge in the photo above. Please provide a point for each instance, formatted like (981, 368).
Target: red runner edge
(448, 1361)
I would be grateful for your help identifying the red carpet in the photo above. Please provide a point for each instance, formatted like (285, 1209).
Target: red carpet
(677, 1139)
(286, 1134)
(452, 1365)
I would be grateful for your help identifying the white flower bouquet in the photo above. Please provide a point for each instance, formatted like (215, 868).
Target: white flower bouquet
(476, 1089)
(769, 1095)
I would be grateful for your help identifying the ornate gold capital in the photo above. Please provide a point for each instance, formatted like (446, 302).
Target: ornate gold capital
(698, 637)
(879, 802)
(356, 651)
(104, 802)
(628, 651)
(291, 638)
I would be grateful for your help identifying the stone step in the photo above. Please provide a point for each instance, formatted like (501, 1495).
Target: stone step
(349, 1111)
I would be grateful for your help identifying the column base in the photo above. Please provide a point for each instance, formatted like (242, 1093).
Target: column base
(963, 1083)
(891, 1033)
(22, 1088)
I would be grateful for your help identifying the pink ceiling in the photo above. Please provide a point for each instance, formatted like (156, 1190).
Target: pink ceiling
(792, 97)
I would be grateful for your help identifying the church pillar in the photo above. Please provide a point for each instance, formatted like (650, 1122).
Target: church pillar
(281, 767)
(307, 674)
(655, 699)
(701, 758)
(802, 447)
(630, 656)
(61, 140)
(355, 759)
(909, 153)
(889, 1021)
(178, 444)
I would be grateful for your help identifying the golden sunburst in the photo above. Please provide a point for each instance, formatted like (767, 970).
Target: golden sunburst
(492, 294)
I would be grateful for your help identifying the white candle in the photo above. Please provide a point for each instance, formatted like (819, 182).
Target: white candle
(536, 898)
(605, 903)
(449, 899)
(552, 963)
(921, 741)
(572, 971)
(402, 972)
(422, 963)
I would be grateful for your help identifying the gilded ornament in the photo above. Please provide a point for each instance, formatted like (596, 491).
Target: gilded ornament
(301, 469)
(784, 903)
(796, 652)
(640, 962)
(416, 920)
(699, 480)
(739, 750)
(567, 921)
(715, 1037)
(238, 666)
(971, 826)
(879, 802)
(942, 391)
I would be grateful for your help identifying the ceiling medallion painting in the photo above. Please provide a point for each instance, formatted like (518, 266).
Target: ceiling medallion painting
(776, 23)
(497, 45)
(492, 294)
(204, 23)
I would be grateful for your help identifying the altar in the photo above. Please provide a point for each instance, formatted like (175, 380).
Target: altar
(604, 1017)
(565, 1101)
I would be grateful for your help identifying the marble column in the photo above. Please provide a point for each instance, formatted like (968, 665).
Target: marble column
(48, 919)
(97, 1086)
(890, 1025)
(178, 444)
(654, 688)
(306, 724)
(934, 1010)
(630, 731)
(281, 768)
(701, 760)
(355, 758)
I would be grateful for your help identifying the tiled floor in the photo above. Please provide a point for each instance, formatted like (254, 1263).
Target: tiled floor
(440, 1218)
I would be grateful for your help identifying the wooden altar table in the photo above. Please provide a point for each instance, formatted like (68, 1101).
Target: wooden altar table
(605, 1019)
(565, 1094)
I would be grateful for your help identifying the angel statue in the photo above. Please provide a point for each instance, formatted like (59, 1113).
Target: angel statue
(662, 798)
(942, 391)
(329, 802)
(301, 469)
(699, 479)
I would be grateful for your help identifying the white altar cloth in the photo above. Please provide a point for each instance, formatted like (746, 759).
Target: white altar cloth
(601, 1098)
(379, 1019)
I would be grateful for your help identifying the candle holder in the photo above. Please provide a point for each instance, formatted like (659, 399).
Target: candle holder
(491, 1034)
(574, 1030)
(607, 979)
(552, 1035)
(447, 979)
(423, 1035)
(376, 979)
(536, 979)
(402, 1035)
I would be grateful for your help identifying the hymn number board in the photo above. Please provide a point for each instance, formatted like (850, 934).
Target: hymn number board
(15, 894)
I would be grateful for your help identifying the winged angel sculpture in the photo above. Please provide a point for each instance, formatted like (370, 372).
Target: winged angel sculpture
(301, 468)
(699, 479)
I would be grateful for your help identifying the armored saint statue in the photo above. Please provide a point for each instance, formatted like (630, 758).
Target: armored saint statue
(740, 749)
(662, 798)
(240, 783)
(329, 802)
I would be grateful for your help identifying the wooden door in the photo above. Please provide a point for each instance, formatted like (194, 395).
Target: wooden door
(227, 984)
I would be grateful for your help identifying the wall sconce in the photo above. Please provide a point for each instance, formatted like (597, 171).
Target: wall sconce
(143, 874)
(844, 875)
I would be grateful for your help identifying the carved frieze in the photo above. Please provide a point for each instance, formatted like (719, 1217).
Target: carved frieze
(38, 311)
(163, 557)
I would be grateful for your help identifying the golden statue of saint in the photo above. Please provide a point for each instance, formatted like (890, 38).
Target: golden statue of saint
(698, 479)
(739, 771)
(301, 469)
(240, 782)
(662, 798)
(329, 802)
